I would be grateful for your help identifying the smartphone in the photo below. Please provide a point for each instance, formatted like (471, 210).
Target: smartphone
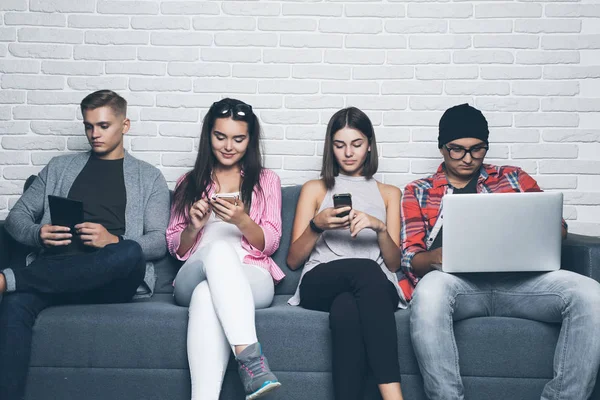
(229, 197)
(342, 200)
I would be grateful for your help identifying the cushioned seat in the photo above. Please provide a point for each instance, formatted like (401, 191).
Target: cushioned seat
(150, 335)
(117, 336)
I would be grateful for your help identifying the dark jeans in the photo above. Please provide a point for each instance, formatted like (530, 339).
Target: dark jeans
(109, 275)
(361, 302)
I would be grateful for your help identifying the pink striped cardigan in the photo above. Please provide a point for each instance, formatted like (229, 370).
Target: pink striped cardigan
(265, 211)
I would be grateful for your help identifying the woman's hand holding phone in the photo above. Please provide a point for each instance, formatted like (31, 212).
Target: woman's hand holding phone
(232, 212)
(199, 214)
(341, 200)
(328, 218)
(360, 220)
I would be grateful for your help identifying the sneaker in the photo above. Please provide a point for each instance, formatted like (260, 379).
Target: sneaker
(255, 373)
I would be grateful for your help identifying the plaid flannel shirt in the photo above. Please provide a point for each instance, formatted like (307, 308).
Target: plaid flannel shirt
(421, 205)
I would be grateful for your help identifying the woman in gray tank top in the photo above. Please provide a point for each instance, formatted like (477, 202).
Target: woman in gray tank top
(349, 261)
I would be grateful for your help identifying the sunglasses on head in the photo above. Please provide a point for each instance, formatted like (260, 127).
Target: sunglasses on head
(239, 111)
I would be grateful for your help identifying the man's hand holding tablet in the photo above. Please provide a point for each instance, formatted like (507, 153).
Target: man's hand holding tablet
(65, 214)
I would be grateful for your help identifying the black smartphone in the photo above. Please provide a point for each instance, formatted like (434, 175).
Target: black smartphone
(65, 212)
(342, 200)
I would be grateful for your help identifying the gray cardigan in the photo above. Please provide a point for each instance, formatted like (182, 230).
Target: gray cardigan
(146, 212)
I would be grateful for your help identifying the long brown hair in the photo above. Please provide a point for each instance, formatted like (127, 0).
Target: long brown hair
(354, 118)
(196, 183)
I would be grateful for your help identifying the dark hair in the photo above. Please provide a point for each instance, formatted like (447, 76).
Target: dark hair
(196, 182)
(354, 118)
(104, 98)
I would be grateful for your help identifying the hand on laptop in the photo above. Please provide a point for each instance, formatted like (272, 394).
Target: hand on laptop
(436, 259)
(95, 235)
(55, 235)
(437, 256)
(427, 261)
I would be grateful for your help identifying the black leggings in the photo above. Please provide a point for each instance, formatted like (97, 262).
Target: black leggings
(361, 302)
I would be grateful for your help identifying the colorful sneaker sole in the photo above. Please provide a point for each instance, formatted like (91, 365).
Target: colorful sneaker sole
(264, 389)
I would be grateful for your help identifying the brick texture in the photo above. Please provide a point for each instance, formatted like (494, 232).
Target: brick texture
(533, 68)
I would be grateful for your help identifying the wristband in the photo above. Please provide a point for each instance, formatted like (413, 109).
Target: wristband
(314, 227)
(120, 238)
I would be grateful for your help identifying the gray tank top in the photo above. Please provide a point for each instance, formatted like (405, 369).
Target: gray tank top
(337, 244)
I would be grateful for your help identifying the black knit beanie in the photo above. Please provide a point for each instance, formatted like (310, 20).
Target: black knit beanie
(462, 121)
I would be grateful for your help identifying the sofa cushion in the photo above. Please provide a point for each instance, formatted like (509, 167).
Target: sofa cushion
(166, 269)
(296, 339)
(152, 334)
(144, 334)
(506, 347)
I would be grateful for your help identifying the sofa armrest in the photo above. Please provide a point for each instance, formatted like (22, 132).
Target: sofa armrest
(12, 253)
(5, 240)
(581, 254)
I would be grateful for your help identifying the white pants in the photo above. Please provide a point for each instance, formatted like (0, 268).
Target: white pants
(222, 294)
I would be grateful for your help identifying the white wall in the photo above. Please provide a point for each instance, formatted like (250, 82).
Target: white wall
(532, 67)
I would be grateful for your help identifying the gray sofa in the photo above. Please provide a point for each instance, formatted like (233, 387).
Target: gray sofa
(138, 350)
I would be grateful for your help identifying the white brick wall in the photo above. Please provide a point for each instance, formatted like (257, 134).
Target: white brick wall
(532, 67)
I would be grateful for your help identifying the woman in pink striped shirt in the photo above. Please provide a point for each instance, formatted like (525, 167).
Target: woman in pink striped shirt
(225, 224)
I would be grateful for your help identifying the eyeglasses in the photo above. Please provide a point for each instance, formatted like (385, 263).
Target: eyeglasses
(458, 153)
(239, 111)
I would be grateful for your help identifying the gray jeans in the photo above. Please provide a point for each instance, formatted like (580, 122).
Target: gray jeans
(554, 297)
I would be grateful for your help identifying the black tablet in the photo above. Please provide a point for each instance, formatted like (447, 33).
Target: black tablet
(65, 212)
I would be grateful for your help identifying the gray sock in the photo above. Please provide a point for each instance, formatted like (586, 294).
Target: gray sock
(9, 278)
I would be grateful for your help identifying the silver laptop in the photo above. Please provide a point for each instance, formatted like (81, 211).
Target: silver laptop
(502, 232)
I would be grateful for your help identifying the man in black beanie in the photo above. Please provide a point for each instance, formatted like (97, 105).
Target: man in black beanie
(463, 128)
(562, 295)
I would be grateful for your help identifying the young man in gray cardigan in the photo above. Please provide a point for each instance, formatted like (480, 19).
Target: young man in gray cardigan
(103, 260)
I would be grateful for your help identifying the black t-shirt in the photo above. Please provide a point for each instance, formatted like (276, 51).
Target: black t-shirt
(101, 188)
(470, 187)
